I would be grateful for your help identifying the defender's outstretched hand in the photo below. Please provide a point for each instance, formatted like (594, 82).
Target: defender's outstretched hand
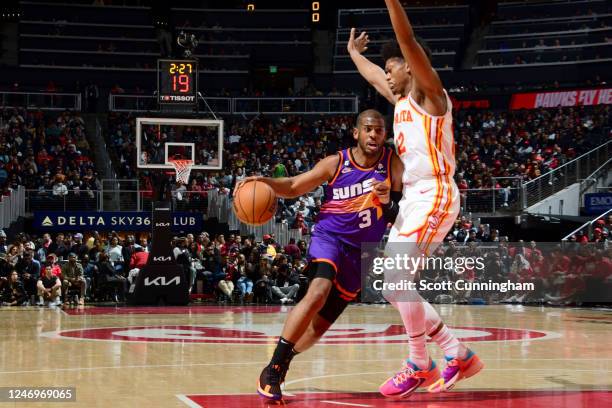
(371, 72)
(359, 44)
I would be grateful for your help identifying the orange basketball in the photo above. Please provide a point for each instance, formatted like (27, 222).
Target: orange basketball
(255, 203)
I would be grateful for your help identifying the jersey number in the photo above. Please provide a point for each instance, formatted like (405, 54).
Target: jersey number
(366, 218)
(401, 149)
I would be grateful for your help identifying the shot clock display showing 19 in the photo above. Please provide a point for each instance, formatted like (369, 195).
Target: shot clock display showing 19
(177, 81)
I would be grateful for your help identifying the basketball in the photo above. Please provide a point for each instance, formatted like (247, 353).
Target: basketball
(255, 203)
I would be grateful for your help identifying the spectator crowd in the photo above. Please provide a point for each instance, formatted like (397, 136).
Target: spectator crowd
(495, 150)
(70, 268)
(499, 150)
(49, 155)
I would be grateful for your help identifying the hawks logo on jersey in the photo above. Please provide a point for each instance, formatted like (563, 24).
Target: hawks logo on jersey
(403, 116)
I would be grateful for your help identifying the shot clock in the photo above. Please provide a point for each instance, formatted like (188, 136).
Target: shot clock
(177, 81)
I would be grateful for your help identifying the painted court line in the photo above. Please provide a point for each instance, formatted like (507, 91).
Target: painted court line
(191, 403)
(57, 334)
(306, 379)
(183, 398)
(349, 404)
(246, 363)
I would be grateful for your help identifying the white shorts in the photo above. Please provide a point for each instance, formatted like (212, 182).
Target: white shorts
(427, 212)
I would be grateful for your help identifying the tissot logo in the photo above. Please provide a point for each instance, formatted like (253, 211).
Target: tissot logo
(161, 281)
(162, 224)
(161, 258)
(178, 98)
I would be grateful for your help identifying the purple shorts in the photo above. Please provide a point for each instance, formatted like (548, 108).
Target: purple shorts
(345, 259)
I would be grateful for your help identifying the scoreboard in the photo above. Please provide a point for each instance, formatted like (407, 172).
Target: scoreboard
(177, 81)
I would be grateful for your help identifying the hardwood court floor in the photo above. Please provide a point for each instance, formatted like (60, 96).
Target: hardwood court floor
(211, 356)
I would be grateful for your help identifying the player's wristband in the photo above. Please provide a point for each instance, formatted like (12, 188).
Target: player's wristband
(390, 211)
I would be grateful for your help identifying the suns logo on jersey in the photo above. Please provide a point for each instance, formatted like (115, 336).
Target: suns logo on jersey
(342, 193)
(403, 116)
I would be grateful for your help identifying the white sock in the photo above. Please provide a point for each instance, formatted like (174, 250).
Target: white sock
(413, 316)
(418, 351)
(441, 334)
(449, 343)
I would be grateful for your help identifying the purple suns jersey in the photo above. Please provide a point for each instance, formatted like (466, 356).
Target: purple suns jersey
(351, 212)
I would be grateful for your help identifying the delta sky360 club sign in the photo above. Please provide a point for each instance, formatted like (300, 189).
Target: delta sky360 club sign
(110, 220)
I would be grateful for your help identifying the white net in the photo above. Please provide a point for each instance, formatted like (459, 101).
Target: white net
(183, 169)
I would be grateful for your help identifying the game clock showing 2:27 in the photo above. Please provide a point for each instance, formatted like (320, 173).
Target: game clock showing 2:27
(177, 81)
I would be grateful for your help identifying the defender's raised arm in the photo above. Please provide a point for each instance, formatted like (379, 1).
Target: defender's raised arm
(426, 82)
(372, 73)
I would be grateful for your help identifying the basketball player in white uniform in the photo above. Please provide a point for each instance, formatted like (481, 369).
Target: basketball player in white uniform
(423, 135)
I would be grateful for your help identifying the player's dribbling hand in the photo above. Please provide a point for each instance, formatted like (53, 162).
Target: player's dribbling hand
(243, 181)
(382, 190)
(359, 44)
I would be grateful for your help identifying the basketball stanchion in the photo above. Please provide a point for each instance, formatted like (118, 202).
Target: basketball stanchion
(162, 281)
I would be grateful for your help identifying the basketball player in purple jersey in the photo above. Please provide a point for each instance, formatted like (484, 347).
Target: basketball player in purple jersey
(351, 215)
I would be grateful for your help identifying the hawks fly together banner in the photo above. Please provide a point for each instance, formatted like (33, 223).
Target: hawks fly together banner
(576, 97)
(108, 221)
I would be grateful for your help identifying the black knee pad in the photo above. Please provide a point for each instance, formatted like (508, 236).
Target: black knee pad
(335, 302)
(334, 306)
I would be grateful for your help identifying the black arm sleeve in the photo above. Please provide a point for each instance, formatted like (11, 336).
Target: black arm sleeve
(391, 209)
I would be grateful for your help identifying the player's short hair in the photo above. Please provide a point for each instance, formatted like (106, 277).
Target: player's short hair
(392, 49)
(369, 113)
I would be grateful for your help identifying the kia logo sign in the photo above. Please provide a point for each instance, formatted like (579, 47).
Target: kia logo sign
(162, 259)
(162, 224)
(161, 281)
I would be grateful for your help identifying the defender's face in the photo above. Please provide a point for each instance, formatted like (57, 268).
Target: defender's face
(370, 135)
(397, 75)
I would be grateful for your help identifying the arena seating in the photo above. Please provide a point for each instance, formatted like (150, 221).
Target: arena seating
(238, 33)
(548, 33)
(443, 28)
(496, 150)
(49, 155)
(124, 38)
(108, 37)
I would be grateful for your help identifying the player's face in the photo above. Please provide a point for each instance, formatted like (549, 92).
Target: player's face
(370, 135)
(397, 75)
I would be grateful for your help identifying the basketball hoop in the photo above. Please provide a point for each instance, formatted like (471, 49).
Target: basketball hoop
(182, 168)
